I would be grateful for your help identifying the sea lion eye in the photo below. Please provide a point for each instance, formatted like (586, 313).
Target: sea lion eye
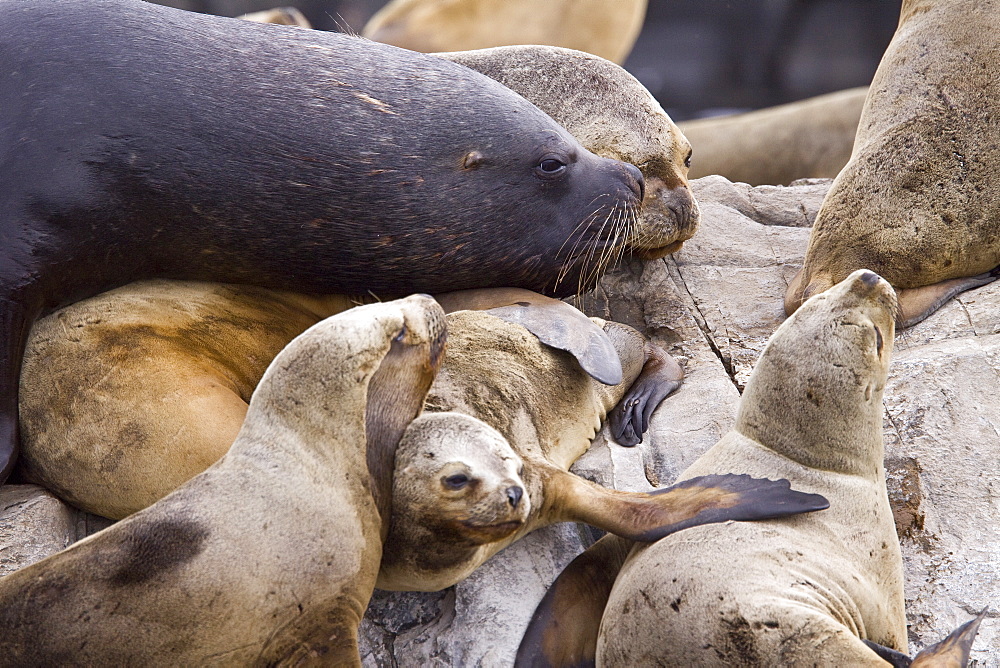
(550, 166)
(878, 341)
(687, 160)
(457, 481)
(401, 335)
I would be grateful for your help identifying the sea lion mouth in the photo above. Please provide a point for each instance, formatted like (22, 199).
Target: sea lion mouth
(492, 532)
(657, 253)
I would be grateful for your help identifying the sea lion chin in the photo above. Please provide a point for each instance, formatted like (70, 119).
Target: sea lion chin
(137, 158)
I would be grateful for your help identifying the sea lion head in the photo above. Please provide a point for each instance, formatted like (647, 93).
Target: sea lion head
(459, 477)
(815, 395)
(457, 489)
(613, 115)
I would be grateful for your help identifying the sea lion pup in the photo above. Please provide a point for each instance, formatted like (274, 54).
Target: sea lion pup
(606, 29)
(613, 115)
(221, 570)
(800, 591)
(919, 200)
(488, 460)
(127, 124)
(810, 138)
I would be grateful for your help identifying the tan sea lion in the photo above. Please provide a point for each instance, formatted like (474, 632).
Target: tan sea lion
(800, 591)
(809, 138)
(607, 29)
(919, 201)
(506, 418)
(220, 571)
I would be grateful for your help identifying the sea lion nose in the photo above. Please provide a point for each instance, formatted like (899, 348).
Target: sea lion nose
(514, 495)
(635, 180)
(869, 278)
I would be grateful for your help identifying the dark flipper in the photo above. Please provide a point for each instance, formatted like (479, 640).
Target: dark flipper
(895, 659)
(661, 375)
(15, 324)
(555, 323)
(563, 630)
(648, 517)
(915, 304)
(953, 651)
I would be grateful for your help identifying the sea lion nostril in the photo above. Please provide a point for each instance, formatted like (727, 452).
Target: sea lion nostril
(636, 182)
(514, 495)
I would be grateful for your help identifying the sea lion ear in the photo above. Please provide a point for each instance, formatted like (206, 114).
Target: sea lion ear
(559, 325)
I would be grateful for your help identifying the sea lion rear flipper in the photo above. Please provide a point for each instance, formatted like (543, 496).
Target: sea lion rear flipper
(915, 304)
(554, 322)
(703, 500)
(953, 650)
(895, 659)
(563, 629)
(660, 376)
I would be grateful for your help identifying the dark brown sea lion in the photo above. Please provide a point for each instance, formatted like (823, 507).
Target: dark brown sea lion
(919, 200)
(221, 572)
(151, 142)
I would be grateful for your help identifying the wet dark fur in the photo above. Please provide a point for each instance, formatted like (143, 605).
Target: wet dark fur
(142, 141)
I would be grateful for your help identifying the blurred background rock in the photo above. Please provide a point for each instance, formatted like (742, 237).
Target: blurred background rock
(702, 57)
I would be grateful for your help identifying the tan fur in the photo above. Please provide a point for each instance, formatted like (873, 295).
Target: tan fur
(608, 29)
(220, 572)
(167, 369)
(810, 138)
(919, 200)
(612, 115)
(532, 409)
(801, 590)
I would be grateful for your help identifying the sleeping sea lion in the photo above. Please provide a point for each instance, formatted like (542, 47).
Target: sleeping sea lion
(810, 138)
(153, 142)
(919, 201)
(607, 29)
(219, 572)
(795, 591)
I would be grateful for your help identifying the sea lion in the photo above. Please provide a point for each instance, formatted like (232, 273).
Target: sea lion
(218, 572)
(606, 29)
(169, 368)
(613, 115)
(919, 200)
(787, 592)
(127, 124)
(809, 138)
(488, 460)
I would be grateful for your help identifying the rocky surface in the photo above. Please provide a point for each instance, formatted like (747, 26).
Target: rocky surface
(713, 305)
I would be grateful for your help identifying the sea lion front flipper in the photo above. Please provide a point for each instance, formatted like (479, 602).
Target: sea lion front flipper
(396, 394)
(660, 376)
(954, 650)
(563, 629)
(915, 304)
(554, 322)
(895, 659)
(647, 517)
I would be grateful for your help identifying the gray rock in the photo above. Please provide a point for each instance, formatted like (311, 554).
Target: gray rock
(35, 524)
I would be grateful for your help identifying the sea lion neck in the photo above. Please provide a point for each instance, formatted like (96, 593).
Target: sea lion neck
(829, 364)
